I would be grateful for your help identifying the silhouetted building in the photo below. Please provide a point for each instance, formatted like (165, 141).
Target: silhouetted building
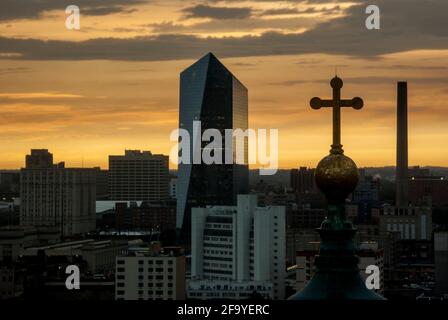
(368, 188)
(9, 182)
(52, 195)
(13, 239)
(139, 176)
(302, 180)
(211, 94)
(102, 184)
(39, 158)
(304, 217)
(160, 216)
(441, 261)
(418, 172)
(428, 191)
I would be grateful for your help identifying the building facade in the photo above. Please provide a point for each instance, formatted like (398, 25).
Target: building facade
(52, 195)
(138, 176)
(413, 223)
(211, 95)
(148, 274)
(238, 249)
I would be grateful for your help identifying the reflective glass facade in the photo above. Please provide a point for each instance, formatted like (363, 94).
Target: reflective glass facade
(211, 94)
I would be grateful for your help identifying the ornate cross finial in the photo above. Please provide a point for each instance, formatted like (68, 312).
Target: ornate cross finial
(337, 103)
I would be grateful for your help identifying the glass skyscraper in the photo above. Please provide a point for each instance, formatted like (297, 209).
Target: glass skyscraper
(211, 94)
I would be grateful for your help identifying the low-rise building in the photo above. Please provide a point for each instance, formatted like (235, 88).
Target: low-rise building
(150, 274)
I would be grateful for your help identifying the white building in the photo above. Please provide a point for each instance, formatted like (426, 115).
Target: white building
(238, 250)
(146, 274)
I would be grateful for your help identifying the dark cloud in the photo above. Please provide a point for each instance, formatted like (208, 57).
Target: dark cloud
(219, 13)
(405, 25)
(408, 67)
(15, 70)
(369, 80)
(296, 11)
(31, 9)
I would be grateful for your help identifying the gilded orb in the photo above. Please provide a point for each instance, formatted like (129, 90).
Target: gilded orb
(336, 176)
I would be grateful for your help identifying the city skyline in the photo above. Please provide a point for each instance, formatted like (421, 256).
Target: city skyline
(85, 103)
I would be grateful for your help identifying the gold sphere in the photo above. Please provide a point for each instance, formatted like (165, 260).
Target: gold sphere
(336, 176)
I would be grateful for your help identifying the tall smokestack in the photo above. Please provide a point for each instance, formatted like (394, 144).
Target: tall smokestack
(402, 175)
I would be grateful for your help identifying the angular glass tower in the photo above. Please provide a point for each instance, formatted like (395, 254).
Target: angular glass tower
(211, 94)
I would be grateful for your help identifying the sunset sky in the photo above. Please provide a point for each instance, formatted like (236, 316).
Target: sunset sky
(114, 84)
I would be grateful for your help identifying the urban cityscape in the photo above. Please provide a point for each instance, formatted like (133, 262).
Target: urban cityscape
(121, 218)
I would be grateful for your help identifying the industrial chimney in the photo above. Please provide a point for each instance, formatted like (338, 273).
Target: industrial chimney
(402, 176)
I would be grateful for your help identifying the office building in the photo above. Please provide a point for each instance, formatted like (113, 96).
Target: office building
(9, 182)
(98, 256)
(173, 188)
(151, 274)
(211, 94)
(428, 191)
(102, 184)
(13, 239)
(302, 180)
(441, 261)
(413, 223)
(138, 176)
(52, 195)
(238, 251)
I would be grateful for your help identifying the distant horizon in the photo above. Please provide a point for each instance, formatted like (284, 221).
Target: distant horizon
(256, 168)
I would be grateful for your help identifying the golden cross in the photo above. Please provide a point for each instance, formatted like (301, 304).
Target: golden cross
(337, 103)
